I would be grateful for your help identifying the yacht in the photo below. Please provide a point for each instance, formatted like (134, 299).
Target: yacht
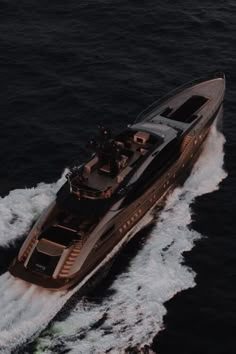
(102, 202)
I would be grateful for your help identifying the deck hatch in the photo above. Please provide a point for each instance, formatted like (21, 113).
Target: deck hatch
(185, 113)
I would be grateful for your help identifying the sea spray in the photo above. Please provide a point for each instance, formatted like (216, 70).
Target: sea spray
(134, 313)
(23, 206)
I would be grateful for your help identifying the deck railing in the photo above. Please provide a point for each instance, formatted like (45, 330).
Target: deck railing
(86, 193)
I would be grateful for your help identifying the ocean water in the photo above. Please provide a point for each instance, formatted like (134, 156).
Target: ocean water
(66, 67)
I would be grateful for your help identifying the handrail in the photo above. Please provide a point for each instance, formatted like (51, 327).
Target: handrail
(86, 192)
(144, 115)
(82, 191)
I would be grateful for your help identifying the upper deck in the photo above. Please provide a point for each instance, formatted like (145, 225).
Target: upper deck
(114, 161)
(125, 157)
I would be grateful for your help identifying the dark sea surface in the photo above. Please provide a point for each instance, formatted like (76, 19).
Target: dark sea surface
(64, 68)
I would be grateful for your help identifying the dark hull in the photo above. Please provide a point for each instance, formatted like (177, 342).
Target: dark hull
(127, 220)
(61, 254)
(153, 198)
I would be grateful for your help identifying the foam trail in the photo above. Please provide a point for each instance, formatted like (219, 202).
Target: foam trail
(134, 314)
(22, 206)
(25, 310)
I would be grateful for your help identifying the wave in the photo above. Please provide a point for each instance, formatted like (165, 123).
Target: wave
(21, 207)
(134, 313)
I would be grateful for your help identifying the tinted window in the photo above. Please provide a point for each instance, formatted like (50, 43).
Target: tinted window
(107, 233)
(184, 112)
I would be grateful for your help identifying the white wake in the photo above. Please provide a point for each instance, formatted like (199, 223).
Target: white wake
(22, 206)
(134, 313)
